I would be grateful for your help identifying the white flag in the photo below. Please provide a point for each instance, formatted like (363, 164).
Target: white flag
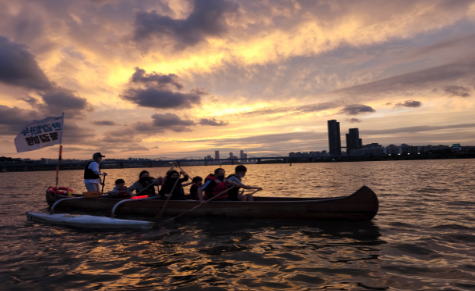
(40, 134)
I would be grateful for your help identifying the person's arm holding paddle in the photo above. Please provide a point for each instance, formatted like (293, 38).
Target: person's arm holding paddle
(240, 172)
(200, 196)
(207, 187)
(186, 184)
(185, 177)
(241, 185)
(131, 189)
(249, 197)
(95, 167)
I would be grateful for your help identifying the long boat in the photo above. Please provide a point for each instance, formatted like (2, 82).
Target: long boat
(362, 205)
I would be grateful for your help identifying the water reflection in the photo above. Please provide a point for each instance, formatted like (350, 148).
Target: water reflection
(262, 254)
(422, 238)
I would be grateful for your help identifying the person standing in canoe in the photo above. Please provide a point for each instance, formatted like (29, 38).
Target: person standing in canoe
(233, 194)
(92, 173)
(214, 185)
(145, 185)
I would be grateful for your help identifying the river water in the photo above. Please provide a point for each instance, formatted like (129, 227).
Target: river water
(423, 237)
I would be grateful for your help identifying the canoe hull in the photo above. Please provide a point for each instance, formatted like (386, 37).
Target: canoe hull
(363, 205)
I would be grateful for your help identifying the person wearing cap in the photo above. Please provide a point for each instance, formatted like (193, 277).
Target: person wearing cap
(92, 173)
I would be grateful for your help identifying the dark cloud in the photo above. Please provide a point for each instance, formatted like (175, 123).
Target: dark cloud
(291, 109)
(164, 122)
(418, 80)
(445, 45)
(409, 103)
(354, 120)
(170, 119)
(208, 18)
(355, 109)
(161, 81)
(213, 122)
(285, 142)
(76, 135)
(59, 100)
(107, 143)
(162, 99)
(13, 119)
(18, 67)
(155, 91)
(135, 148)
(68, 149)
(104, 122)
(457, 91)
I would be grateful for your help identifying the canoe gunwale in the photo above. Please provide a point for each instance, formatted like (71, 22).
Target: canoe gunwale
(195, 201)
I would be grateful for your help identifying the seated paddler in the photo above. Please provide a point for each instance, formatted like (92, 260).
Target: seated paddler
(145, 185)
(119, 190)
(234, 194)
(215, 184)
(196, 184)
(172, 187)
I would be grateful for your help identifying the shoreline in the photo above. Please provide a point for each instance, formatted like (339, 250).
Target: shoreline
(6, 168)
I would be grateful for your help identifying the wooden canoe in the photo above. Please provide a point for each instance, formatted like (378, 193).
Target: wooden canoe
(362, 205)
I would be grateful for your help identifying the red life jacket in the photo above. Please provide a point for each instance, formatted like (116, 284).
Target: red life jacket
(123, 193)
(120, 194)
(220, 187)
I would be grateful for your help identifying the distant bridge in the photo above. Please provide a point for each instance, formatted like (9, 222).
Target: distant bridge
(158, 162)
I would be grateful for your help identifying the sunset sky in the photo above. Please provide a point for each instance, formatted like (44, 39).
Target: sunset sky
(185, 78)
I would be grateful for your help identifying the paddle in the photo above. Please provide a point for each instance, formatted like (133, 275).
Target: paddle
(254, 192)
(148, 186)
(171, 219)
(103, 184)
(168, 198)
(130, 200)
(183, 170)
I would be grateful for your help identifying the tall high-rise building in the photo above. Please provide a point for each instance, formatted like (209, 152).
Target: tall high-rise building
(216, 155)
(231, 155)
(353, 140)
(241, 155)
(334, 140)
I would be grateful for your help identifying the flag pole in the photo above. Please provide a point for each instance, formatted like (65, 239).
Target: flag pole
(60, 154)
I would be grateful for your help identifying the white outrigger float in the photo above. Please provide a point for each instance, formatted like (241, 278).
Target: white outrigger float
(88, 221)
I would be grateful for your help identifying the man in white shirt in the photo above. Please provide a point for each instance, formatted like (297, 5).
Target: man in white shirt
(92, 173)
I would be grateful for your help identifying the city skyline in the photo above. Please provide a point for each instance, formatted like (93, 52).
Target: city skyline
(151, 78)
(352, 139)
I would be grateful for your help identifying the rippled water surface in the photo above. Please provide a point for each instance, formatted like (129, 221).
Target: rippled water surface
(423, 237)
